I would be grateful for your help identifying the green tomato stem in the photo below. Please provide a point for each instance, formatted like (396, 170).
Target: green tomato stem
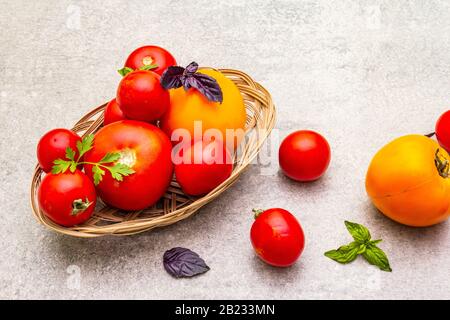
(79, 206)
(257, 212)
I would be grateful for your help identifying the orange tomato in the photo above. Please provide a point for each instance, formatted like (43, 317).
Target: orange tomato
(189, 106)
(407, 180)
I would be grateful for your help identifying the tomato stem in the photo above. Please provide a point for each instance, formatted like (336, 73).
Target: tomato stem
(257, 212)
(442, 164)
(79, 206)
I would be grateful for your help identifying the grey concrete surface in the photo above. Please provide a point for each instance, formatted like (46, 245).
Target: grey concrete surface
(359, 72)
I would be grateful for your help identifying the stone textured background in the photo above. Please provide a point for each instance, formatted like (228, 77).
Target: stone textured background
(360, 72)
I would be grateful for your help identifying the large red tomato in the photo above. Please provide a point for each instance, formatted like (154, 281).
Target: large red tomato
(203, 166)
(443, 130)
(53, 146)
(146, 150)
(113, 113)
(67, 198)
(277, 237)
(141, 96)
(148, 55)
(304, 155)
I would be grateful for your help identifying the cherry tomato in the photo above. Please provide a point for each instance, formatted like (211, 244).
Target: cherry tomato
(144, 148)
(67, 198)
(53, 146)
(113, 113)
(148, 55)
(304, 155)
(443, 130)
(277, 237)
(204, 166)
(141, 96)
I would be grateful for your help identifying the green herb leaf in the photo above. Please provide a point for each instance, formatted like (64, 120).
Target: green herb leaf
(149, 67)
(98, 174)
(60, 166)
(344, 254)
(110, 157)
(362, 248)
(73, 166)
(85, 145)
(360, 233)
(375, 242)
(377, 257)
(119, 170)
(124, 71)
(362, 245)
(70, 154)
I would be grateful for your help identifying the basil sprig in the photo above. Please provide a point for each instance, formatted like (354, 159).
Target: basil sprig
(362, 245)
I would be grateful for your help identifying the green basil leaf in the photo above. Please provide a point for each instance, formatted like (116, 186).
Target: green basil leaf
(375, 242)
(360, 233)
(344, 254)
(377, 257)
(362, 248)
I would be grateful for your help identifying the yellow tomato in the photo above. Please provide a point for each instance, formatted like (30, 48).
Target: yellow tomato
(189, 106)
(408, 181)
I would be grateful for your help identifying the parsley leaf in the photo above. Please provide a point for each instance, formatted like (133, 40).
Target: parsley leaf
(110, 157)
(60, 166)
(98, 174)
(70, 154)
(119, 170)
(85, 145)
(73, 166)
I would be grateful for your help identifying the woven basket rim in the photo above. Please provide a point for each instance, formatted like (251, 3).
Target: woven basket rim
(254, 95)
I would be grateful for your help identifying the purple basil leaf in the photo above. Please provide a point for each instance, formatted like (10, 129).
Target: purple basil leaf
(171, 78)
(207, 86)
(191, 68)
(188, 82)
(181, 262)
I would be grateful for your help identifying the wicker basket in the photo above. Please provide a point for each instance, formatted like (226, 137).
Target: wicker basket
(175, 205)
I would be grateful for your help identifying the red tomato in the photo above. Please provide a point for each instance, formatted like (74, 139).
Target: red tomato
(146, 150)
(304, 155)
(277, 237)
(443, 130)
(53, 146)
(113, 113)
(205, 165)
(141, 96)
(149, 55)
(67, 198)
